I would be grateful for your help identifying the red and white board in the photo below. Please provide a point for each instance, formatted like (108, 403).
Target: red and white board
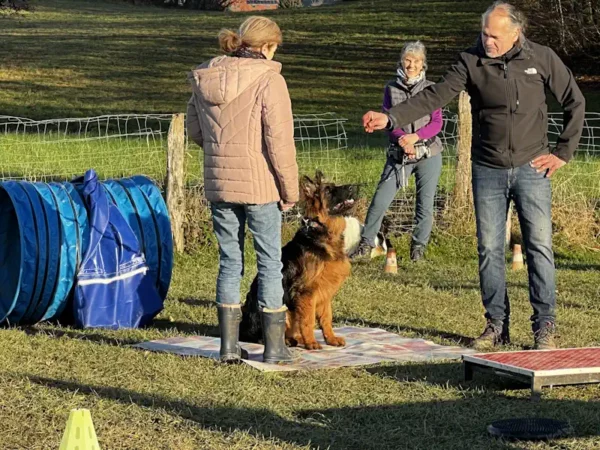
(540, 367)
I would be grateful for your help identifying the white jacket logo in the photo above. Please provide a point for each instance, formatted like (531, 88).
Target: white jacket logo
(531, 71)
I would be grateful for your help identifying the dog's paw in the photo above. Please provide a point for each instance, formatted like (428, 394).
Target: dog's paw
(312, 345)
(336, 341)
(295, 341)
(291, 342)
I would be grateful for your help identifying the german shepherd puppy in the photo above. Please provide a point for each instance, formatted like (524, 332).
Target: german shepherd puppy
(315, 266)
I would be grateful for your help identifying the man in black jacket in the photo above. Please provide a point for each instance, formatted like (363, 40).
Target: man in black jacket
(506, 76)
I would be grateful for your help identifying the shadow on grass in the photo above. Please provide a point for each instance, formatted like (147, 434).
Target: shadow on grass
(448, 424)
(458, 339)
(186, 327)
(204, 302)
(570, 265)
(79, 335)
(107, 337)
(580, 262)
(129, 57)
(449, 373)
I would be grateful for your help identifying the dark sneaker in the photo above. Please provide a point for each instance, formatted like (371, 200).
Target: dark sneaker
(493, 335)
(417, 252)
(362, 252)
(543, 336)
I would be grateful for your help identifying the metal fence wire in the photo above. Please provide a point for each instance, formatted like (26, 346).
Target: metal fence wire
(128, 144)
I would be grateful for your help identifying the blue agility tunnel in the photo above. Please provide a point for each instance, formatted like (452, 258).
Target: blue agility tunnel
(45, 234)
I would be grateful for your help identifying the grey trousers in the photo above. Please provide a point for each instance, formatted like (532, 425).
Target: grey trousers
(395, 176)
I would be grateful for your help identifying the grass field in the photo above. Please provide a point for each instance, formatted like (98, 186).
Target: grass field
(112, 57)
(152, 401)
(84, 58)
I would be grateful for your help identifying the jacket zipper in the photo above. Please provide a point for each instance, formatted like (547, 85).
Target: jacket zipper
(510, 121)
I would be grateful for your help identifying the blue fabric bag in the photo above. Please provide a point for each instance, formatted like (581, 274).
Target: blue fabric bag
(113, 287)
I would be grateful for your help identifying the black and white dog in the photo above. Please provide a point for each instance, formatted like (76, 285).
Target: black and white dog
(352, 236)
(344, 197)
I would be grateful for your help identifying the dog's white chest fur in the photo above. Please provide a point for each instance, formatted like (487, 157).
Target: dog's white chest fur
(352, 234)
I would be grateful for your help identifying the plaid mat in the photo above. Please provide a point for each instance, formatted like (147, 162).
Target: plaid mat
(364, 346)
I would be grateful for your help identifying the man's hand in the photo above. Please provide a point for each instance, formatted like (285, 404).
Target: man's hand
(550, 162)
(284, 206)
(408, 140)
(373, 121)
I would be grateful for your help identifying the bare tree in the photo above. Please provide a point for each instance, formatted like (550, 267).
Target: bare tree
(570, 26)
(14, 5)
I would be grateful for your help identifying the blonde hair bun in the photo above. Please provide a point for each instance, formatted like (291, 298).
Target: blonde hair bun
(229, 41)
(254, 32)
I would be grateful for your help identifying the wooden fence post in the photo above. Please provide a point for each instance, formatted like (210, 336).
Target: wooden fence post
(508, 237)
(176, 179)
(462, 188)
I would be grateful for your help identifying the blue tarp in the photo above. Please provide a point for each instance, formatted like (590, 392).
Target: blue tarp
(114, 288)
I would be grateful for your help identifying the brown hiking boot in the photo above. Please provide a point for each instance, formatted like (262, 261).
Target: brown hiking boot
(494, 334)
(362, 252)
(417, 252)
(543, 336)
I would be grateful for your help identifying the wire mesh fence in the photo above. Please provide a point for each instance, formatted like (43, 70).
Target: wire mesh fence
(59, 149)
(124, 145)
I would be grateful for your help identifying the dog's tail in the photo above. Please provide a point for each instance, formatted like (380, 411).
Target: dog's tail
(386, 224)
(251, 328)
(382, 236)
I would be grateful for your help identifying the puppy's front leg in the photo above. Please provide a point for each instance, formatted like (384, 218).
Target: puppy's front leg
(293, 337)
(305, 315)
(325, 319)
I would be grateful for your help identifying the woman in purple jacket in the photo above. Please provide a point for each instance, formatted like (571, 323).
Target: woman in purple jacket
(415, 148)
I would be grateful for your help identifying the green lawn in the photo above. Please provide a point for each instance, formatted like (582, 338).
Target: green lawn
(113, 57)
(142, 400)
(82, 58)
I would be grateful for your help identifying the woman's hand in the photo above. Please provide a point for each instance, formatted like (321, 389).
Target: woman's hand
(408, 140)
(409, 151)
(284, 206)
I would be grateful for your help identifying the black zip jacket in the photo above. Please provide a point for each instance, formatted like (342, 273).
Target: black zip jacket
(508, 101)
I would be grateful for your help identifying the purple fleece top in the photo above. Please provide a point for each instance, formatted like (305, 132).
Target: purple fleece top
(427, 132)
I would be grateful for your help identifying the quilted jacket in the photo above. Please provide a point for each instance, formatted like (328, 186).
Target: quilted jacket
(240, 113)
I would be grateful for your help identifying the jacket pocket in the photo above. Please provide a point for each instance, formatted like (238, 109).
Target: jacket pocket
(492, 128)
(528, 129)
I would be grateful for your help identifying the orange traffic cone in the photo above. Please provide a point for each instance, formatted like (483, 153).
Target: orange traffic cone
(517, 259)
(391, 262)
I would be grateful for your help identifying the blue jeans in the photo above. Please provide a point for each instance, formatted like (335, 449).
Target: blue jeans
(264, 222)
(395, 176)
(532, 195)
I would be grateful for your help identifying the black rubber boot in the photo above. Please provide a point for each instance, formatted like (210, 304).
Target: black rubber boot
(273, 325)
(230, 317)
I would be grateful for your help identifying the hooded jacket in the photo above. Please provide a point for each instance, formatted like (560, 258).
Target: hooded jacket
(240, 113)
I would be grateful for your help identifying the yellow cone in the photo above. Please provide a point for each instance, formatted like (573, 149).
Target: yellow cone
(517, 260)
(80, 433)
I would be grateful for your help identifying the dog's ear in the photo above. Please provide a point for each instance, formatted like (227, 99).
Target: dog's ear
(308, 187)
(319, 177)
